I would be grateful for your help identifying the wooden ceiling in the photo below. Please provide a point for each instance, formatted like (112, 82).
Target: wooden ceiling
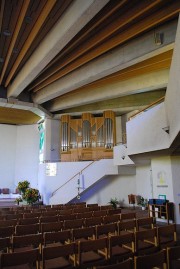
(25, 23)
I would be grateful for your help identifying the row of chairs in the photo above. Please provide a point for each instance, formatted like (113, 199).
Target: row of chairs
(88, 254)
(67, 214)
(52, 223)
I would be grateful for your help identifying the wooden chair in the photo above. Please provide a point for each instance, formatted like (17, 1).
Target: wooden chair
(167, 236)
(144, 223)
(114, 211)
(146, 242)
(127, 264)
(83, 234)
(92, 221)
(19, 260)
(72, 224)
(6, 231)
(27, 229)
(32, 215)
(92, 253)
(173, 257)
(66, 212)
(126, 227)
(68, 217)
(157, 260)
(106, 207)
(5, 244)
(26, 242)
(57, 238)
(111, 219)
(6, 223)
(105, 230)
(28, 221)
(49, 213)
(81, 209)
(128, 216)
(100, 213)
(59, 256)
(46, 219)
(84, 215)
(52, 226)
(121, 247)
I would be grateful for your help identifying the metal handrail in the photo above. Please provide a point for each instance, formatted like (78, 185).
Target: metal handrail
(72, 178)
(152, 104)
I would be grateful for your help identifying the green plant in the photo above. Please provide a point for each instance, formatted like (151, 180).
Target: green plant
(23, 186)
(143, 202)
(18, 200)
(114, 202)
(31, 195)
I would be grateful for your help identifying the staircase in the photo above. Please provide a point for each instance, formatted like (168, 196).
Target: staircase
(83, 180)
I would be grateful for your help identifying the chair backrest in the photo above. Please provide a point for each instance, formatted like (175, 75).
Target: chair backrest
(5, 191)
(120, 240)
(6, 231)
(46, 219)
(111, 218)
(167, 235)
(150, 261)
(33, 240)
(62, 237)
(125, 216)
(52, 226)
(28, 221)
(85, 233)
(145, 223)
(99, 246)
(106, 229)
(100, 213)
(5, 244)
(81, 209)
(49, 213)
(53, 252)
(32, 215)
(129, 226)
(173, 257)
(131, 198)
(149, 237)
(27, 229)
(71, 224)
(68, 217)
(29, 257)
(84, 215)
(92, 221)
(114, 211)
(5, 223)
(128, 264)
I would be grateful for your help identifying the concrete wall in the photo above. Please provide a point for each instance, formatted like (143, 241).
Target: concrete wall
(27, 155)
(8, 137)
(145, 132)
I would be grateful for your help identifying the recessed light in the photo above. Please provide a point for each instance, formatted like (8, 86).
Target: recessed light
(15, 51)
(28, 19)
(6, 32)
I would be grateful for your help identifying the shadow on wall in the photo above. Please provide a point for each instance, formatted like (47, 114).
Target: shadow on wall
(94, 192)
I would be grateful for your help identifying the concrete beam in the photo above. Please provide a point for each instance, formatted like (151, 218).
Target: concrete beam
(135, 51)
(75, 18)
(148, 82)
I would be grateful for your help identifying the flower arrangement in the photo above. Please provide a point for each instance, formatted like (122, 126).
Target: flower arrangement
(31, 195)
(23, 186)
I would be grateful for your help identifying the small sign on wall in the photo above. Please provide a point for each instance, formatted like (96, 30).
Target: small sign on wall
(162, 179)
(51, 169)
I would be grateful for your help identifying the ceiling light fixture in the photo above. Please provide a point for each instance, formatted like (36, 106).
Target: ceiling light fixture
(6, 32)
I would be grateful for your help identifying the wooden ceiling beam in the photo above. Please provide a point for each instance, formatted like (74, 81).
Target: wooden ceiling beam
(15, 35)
(41, 19)
(1, 14)
(147, 23)
(98, 38)
(99, 21)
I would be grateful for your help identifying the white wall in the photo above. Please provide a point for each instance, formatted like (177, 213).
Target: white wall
(172, 100)
(8, 135)
(162, 177)
(27, 154)
(145, 133)
(143, 181)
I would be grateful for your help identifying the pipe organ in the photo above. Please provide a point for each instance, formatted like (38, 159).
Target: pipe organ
(88, 137)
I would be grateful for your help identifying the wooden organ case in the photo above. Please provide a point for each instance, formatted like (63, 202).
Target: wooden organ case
(87, 138)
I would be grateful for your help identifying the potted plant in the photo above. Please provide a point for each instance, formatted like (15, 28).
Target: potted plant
(114, 202)
(23, 186)
(143, 203)
(31, 196)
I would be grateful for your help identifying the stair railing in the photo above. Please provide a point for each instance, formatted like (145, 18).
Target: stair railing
(79, 173)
